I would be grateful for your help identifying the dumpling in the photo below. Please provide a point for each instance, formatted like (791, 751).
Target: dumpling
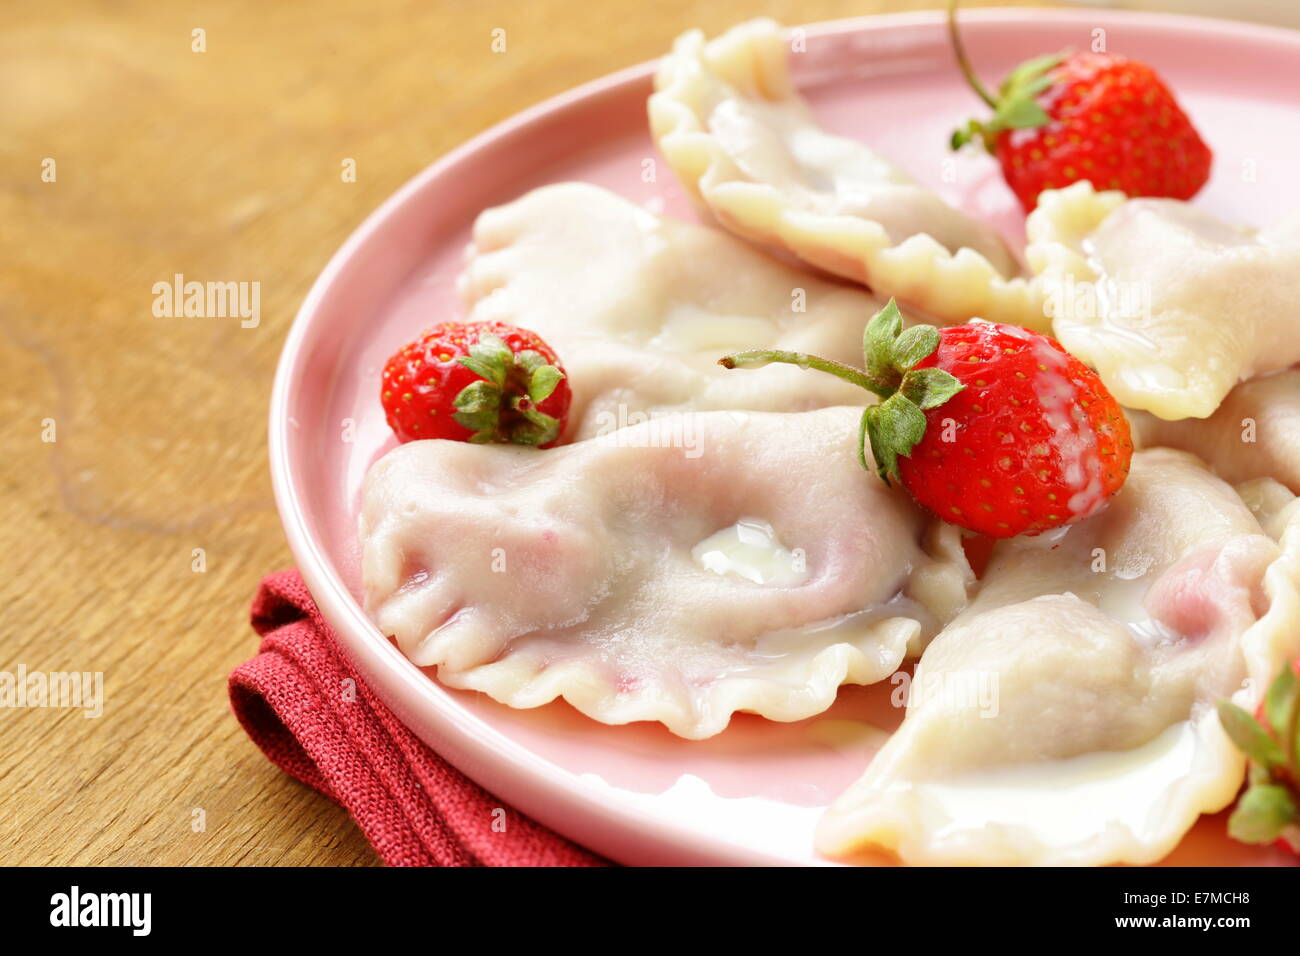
(1171, 306)
(1254, 434)
(641, 307)
(733, 128)
(752, 568)
(1067, 716)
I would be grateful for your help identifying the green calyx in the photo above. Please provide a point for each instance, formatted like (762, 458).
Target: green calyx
(894, 426)
(1016, 105)
(502, 405)
(1270, 807)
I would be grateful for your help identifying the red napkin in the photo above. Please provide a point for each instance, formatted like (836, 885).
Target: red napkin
(414, 807)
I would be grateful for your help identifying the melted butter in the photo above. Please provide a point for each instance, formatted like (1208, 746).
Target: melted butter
(688, 329)
(1068, 801)
(1073, 437)
(882, 634)
(751, 550)
(1124, 599)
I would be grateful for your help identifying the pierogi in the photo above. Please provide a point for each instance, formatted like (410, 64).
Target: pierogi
(1170, 305)
(641, 307)
(752, 568)
(704, 542)
(727, 117)
(1254, 433)
(1107, 646)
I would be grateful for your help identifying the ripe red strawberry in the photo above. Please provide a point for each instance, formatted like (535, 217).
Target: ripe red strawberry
(479, 382)
(1033, 441)
(1095, 116)
(991, 427)
(1269, 808)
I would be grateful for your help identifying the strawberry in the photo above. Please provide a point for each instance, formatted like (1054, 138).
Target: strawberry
(1095, 116)
(991, 427)
(479, 382)
(1269, 808)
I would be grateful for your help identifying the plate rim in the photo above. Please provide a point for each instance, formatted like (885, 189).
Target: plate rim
(527, 781)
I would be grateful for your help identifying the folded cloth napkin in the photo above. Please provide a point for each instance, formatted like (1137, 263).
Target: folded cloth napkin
(295, 700)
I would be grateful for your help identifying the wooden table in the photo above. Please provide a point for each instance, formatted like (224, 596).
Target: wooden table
(218, 165)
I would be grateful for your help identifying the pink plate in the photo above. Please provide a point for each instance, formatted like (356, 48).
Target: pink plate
(752, 794)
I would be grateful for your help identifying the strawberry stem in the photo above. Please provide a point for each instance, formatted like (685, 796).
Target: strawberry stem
(1270, 806)
(962, 62)
(894, 426)
(757, 358)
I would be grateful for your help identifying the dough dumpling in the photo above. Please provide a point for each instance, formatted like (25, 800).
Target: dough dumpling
(730, 123)
(1170, 305)
(752, 566)
(1067, 716)
(640, 307)
(1254, 434)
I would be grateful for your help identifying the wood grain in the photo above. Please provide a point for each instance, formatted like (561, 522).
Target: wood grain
(219, 165)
